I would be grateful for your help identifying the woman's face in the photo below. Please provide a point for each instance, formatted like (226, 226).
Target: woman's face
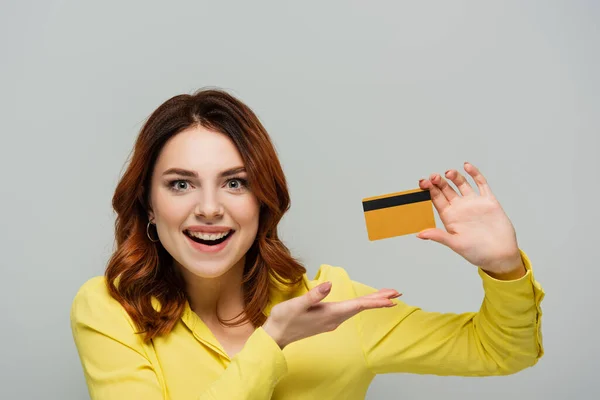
(205, 215)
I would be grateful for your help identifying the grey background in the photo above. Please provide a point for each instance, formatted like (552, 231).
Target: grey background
(361, 98)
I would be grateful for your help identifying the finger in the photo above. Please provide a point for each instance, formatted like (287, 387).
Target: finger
(379, 298)
(447, 190)
(439, 201)
(348, 308)
(484, 188)
(437, 235)
(461, 183)
(313, 296)
(333, 314)
(383, 293)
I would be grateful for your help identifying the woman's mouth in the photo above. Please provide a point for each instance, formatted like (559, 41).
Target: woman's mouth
(210, 242)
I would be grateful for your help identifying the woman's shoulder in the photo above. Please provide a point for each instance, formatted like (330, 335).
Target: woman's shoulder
(328, 272)
(93, 302)
(94, 289)
(341, 281)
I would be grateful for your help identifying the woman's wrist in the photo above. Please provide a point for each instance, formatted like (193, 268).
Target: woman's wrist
(274, 333)
(516, 272)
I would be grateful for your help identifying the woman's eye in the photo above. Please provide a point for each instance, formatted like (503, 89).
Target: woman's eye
(236, 184)
(179, 185)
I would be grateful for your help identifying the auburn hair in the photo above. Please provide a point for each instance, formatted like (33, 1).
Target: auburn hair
(140, 271)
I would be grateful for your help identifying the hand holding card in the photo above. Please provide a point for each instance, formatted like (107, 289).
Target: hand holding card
(475, 224)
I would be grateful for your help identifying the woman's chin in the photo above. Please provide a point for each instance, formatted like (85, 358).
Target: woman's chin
(209, 269)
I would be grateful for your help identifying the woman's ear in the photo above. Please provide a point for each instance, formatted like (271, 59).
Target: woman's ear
(149, 207)
(150, 211)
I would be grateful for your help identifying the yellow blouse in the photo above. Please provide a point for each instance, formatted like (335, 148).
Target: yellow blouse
(502, 338)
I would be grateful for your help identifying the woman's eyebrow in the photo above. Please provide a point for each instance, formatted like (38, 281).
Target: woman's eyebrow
(232, 171)
(192, 174)
(180, 171)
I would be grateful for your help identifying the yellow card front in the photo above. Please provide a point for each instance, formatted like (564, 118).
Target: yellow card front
(397, 214)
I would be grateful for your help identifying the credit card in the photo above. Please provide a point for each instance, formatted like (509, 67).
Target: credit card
(398, 214)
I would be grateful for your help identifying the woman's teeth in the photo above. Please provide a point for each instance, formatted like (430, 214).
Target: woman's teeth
(208, 236)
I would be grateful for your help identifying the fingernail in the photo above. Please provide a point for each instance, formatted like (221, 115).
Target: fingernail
(325, 288)
(391, 305)
(446, 173)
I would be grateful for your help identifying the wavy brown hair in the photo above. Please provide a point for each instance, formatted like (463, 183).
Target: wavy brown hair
(140, 270)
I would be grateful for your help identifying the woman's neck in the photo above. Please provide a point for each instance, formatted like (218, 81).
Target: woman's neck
(224, 294)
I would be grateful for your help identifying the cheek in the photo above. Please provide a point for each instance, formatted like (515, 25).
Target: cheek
(246, 212)
(170, 210)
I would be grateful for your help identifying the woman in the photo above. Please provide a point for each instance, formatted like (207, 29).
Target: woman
(201, 300)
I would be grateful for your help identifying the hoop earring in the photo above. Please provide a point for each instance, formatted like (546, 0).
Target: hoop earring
(148, 233)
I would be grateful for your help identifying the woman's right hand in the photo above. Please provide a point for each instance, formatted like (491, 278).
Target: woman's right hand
(306, 315)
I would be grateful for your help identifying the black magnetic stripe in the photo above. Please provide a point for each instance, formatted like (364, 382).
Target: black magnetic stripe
(396, 200)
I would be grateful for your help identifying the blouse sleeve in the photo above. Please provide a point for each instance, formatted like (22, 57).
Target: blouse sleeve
(502, 338)
(117, 365)
(114, 360)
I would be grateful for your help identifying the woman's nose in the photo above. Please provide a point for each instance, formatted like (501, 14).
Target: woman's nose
(208, 206)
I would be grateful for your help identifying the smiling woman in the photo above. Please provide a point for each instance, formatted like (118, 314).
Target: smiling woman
(202, 300)
(197, 156)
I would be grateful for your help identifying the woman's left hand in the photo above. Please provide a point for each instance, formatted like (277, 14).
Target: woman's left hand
(477, 228)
